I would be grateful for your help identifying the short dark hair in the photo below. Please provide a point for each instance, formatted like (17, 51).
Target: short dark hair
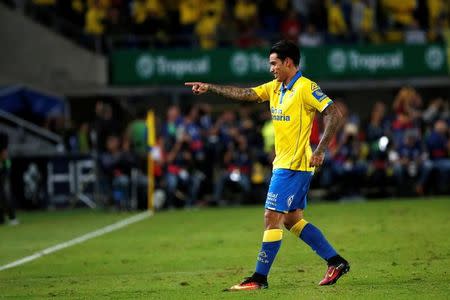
(284, 49)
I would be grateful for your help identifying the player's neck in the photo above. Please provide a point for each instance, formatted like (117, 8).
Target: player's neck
(290, 77)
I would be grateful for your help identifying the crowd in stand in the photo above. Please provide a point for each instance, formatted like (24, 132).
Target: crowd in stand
(247, 23)
(204, 157)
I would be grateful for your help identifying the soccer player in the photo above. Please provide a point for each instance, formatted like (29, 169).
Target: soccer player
(294, 99)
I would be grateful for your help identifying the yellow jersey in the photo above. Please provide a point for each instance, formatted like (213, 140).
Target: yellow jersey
(293, 108)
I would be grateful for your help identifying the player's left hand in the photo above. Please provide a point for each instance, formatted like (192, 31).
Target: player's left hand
(316, 159)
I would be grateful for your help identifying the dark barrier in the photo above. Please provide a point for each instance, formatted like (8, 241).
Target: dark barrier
(53, 181)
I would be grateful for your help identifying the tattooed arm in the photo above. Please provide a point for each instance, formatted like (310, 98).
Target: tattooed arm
(333, 118)
(236, 93)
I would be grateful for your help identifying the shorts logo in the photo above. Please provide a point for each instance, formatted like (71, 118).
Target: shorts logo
(290, 199)
(271, 200)
(319, 95)
(272, 197)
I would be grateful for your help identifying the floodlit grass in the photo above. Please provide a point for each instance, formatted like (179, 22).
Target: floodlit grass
(397, 249)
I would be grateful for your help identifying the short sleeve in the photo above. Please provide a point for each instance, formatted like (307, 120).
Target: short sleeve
(263, 91)
(315, 98)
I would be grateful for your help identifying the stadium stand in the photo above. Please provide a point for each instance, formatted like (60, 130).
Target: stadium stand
(104, 25)
(406, 144)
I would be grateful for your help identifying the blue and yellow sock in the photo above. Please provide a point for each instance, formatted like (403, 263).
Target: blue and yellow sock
(269, 249)
(312, 236)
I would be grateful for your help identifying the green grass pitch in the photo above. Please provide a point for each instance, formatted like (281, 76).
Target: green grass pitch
(398, 249)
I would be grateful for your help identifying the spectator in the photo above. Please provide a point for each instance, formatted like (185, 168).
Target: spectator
(414, 34)
(438, 16)
(437, 109)
(290, 27)
(104, 125)
(400, 14)
(95, 20)
(123, 174)
(84, 143)
(115, 23)
(377, 139)
(310, 37)
(254, 138)
(248, 37)
(302, 7)
(137, 134)
(438, 146)
(205, 119)
(209, 139)
(7, 206)
(347, 166)
(170, 128)
(189, 15)
(237, 168)
(139, 14)
(109, 158)
(77, 11)
(337, 26)
(215, 6)
(246, 11)
(363, 20)
(174, 22)
(181, 183)
(319, 15)
(70, 136)
(270, 18)
(406, 105)
(226, 30)
(411, 162)
(148, 20)
(115, 167)
(268, 134)
(206, 29)
(378, 124)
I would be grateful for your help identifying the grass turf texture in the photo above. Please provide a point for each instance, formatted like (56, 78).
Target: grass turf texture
(398, 250)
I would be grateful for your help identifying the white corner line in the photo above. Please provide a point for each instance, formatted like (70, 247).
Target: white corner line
(80, 239)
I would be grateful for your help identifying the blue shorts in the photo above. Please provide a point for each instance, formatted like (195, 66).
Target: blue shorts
(288, 190)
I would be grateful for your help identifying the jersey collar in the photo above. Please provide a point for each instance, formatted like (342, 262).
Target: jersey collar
(291, 83)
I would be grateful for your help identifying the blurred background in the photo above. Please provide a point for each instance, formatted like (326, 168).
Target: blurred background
(78, 78)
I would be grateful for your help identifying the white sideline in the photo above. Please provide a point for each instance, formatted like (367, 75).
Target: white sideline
(80, 239)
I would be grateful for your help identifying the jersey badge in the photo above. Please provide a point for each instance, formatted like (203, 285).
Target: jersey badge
(319, 95)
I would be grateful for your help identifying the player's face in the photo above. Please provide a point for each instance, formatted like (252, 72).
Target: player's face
(278, 67)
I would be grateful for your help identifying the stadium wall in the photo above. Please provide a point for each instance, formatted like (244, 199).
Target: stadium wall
(33, 55)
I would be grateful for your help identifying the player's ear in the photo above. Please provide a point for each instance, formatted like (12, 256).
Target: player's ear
(288, 61)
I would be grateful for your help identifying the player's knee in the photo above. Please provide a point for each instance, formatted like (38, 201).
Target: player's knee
(273, 219)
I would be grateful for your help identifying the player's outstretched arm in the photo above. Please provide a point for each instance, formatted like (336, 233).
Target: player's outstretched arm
(333, 122)
(244, 94)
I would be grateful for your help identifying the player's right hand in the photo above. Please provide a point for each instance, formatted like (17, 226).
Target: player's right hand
(198, 87)
(317, 159)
